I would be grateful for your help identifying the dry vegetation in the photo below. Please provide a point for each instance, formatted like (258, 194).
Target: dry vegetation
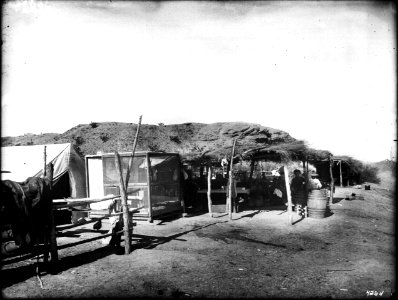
(191, 141)
(187, 138)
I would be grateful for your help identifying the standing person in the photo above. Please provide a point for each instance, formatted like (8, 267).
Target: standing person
(314, 183)
(297, 188)
(280, 186)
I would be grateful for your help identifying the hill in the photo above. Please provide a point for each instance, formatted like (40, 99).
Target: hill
(186, 139)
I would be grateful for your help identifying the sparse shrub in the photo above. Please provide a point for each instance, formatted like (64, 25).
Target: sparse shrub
(78, 140)
(153, 147)
(175, 139)
(104, 137)
(369, 174)
(94, 124)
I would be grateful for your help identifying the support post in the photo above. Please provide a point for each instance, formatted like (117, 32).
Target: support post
(209, 202)
(331, 179)
(149, 180)
(307, 164)
(45, 162)
(341, 175)
(289, 197)
(229, 205)
(180, 190)
(126, 218)
(251, 169)
(53, 230)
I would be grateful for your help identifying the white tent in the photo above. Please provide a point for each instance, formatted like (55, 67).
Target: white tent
(20, 162)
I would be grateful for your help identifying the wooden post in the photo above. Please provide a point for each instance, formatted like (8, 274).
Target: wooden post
(289, 197)
(209, 202)
(307, 164)
(53, 230)
(229, 205)
(341, 175)
(251, 170)
(148, 163)
(132, 153)
(126, 217)
(331, 179)
(45, 163)
(184, 213)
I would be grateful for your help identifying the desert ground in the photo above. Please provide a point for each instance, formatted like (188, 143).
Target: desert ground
(349, 254)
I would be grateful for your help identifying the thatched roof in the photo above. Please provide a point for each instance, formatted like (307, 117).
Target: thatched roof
(285, 151)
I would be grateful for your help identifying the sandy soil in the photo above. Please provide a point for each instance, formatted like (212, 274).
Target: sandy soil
(257, 254)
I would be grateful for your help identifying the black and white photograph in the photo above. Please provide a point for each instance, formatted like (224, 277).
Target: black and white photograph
(198, 149)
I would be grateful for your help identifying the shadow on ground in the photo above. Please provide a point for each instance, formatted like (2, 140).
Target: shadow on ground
(12, 276)
(18, 274)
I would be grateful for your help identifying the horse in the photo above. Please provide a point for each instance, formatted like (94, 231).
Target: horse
(26, 211)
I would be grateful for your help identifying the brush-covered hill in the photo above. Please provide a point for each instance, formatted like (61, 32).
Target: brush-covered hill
(186, 139)
(386, 173)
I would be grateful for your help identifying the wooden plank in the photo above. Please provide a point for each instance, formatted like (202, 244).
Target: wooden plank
(125, 208)
(60, 203)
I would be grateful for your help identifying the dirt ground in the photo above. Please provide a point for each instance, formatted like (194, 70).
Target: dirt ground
(346, 255)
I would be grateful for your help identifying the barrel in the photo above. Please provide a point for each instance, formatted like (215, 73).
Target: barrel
(317, 204)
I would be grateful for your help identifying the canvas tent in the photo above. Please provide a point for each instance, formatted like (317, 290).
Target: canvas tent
(20, 162)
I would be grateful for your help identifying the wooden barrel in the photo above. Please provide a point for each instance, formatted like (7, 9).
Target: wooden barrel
(317, 204)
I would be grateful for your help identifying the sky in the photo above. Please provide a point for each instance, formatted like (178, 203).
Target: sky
(325, 72)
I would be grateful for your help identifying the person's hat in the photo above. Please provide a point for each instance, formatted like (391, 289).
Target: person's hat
(296, 171)
(314, 174)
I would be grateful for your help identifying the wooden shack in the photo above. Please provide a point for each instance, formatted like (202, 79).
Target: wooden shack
(155, 182)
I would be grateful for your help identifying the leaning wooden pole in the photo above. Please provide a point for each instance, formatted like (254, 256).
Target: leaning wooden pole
(229, 205)
(289, 197)
(209, 202)
(126, 218)
(132, 153)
